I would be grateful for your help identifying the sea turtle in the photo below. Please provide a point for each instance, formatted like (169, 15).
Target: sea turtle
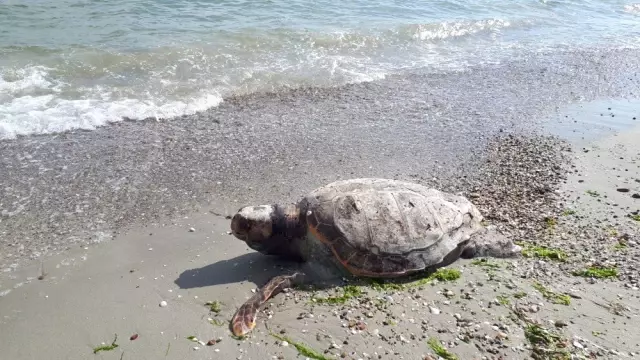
(368, 227)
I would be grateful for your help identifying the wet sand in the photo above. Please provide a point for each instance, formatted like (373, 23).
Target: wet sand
(105, 217)
(78, 188)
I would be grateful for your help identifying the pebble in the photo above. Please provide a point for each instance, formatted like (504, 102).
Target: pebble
(163, 303)
(403, 339)
(434, 311)
(192, 230)
(560, 323)
(574, 294)
(284, 343)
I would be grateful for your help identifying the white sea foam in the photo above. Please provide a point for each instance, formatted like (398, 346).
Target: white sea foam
(38, 100)
(458, 29)
(33, 104)
(632, 8)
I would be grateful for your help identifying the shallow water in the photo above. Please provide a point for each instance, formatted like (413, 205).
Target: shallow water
(586, 121)
(82, 63)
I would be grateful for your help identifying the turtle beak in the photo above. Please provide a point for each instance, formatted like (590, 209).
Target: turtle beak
(238, 228)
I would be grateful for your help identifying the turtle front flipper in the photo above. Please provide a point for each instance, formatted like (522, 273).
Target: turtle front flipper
(245, 318)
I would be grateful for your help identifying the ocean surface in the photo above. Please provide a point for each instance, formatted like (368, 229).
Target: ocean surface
(79, 64)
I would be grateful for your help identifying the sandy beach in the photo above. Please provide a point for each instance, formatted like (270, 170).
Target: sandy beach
(132, 239)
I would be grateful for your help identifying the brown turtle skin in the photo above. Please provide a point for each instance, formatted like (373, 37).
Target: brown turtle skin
(367, 227)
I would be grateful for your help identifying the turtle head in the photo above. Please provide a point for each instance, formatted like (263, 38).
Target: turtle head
(254, 225)
(270, 229)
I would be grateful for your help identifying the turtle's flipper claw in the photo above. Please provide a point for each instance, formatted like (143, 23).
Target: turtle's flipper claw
(244, 319)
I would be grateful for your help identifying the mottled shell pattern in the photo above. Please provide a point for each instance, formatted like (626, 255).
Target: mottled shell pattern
(383, 227)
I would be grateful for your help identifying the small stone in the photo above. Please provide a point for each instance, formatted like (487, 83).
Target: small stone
(163, 303)
(211, 342)
(192, 230)
(560, 323)
(434, 311)
(574, 294)
(284, 343)
(196, 348)
(577, 344)
(534, 308)
(623, 190)
(369, 314)
(636, 196)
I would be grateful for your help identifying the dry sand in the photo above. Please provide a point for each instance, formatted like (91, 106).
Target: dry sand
(89, 294)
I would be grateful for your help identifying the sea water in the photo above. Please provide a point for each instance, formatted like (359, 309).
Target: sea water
(78, 64)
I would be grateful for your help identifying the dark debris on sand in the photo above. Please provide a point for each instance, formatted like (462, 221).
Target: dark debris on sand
(517, 186)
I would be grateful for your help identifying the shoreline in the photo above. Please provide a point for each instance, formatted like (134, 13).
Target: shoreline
(81, 187)
(209, 100)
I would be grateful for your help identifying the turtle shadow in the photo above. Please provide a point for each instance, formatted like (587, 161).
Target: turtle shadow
(259, 269)
(252, 267)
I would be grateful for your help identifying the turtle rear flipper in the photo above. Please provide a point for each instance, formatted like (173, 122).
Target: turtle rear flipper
(491, 243)
(244, 319)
